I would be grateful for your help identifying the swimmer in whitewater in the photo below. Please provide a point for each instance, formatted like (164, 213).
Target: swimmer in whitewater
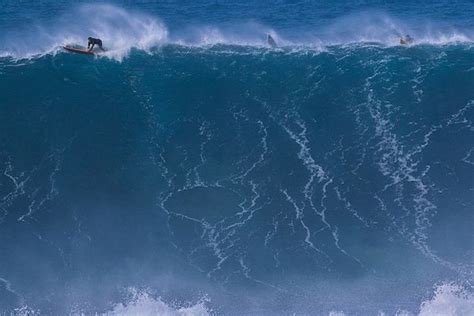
(94, 41)
(406, 40)
(271, 41)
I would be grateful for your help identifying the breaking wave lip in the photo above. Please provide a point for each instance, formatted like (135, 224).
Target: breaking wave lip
(449, 299)
(120, 55)
(123, 30)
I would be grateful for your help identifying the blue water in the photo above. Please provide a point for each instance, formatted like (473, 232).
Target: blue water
(192, 169)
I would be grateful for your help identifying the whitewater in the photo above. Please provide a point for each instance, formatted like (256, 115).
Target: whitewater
(124, 30)
(193, 170)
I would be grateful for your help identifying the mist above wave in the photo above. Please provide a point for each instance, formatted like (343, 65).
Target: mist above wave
(121, 30)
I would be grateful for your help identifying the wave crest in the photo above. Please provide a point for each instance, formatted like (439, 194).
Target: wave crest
(121, 30)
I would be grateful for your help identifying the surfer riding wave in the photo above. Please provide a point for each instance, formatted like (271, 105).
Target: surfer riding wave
(94, 41)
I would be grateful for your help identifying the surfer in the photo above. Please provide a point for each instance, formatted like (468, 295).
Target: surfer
(406, 40)
(271, 41)
(94, 41)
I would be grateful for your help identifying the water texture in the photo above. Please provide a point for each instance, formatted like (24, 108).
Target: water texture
(192, 170)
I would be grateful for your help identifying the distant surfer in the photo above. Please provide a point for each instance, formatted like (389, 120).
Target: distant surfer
(271, 41)
(406, 40)
(94, 41)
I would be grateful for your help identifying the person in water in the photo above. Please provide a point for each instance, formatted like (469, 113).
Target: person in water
(94, 41)
(406, 40)
(271, 41)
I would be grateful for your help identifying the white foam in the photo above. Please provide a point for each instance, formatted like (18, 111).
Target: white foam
(367, 27)
(25, 311)
(449, 299)
(380, 27)
(241, 34)
(142, 303)
(121, 30)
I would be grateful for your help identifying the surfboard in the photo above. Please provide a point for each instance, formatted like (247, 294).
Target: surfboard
(79, 50)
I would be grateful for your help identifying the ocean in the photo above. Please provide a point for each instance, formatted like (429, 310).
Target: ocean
(191, 169)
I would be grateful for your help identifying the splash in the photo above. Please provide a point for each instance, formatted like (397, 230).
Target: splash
(123, 30)
(119, 29)
(449, 299)
(241, 34)
(380, 27)
(142, 303)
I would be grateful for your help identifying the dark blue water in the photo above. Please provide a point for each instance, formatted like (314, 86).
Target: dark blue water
(193, 170)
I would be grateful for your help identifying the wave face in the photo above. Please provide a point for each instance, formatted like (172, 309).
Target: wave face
(231, 179)
(266, 180)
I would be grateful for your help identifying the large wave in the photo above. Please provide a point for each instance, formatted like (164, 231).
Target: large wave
(286, 180)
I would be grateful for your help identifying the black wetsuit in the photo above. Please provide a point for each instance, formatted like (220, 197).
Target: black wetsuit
(271, 41)
(94, 41)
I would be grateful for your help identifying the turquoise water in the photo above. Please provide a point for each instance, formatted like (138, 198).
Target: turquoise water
(193, 169)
